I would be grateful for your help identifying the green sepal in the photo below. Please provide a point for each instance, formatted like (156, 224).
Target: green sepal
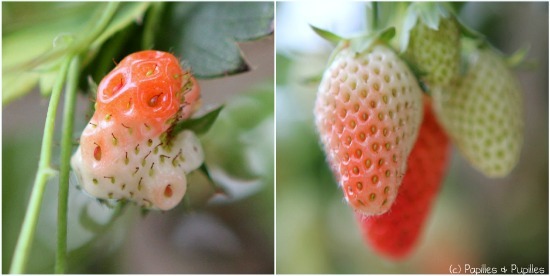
(217, 188)
(199, 125)
(518, 59)
(312, 80)
(92, 86)
(469, 32)
(331, 37)
(427, 13)
(363, 43)
(144, 212)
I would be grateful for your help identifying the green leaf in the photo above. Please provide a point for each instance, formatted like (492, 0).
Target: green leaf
(152, 25)
(329, 36)
(28, 32)
(205, 34)
(17, 85)
(198, 125)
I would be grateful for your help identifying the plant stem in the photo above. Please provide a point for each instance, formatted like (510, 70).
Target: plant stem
(66, 150)
(374, 16)
(24, 242)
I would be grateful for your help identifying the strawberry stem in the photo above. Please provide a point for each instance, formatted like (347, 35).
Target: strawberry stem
(24, 242)
(372, 17)
(66, 151)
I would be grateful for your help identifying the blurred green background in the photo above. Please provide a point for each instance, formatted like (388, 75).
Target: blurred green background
(475, 220)
(207, 232)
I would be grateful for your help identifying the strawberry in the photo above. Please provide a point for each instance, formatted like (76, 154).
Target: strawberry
(395, 233)
(483, 114)
(126, 151)
(367, 112)
(436, 52)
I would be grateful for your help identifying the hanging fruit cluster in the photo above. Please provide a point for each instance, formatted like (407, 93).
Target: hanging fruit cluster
(386, 118)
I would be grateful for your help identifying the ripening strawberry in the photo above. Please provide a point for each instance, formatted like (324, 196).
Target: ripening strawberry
(483, 114)
(395, 233)
(368, 111)
(435, 52)
(125, 151)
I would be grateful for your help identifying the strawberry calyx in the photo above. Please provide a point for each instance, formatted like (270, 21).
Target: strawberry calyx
(198, 125)
(516, 60)
(358, 44)
(327, 35)
(427, 13)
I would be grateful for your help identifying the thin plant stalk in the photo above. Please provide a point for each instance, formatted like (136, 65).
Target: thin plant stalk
(45, 172)
(66, 150)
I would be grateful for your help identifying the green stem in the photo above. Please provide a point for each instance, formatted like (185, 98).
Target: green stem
(66, 150)
(374, 16)
(24, 242)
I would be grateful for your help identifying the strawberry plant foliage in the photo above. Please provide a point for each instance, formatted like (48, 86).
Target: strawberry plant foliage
(32, 50)
(212, 49)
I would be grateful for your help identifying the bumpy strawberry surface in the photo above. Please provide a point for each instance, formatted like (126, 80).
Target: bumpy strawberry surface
(395, 233)
(436, 52)
(483, 114)
(368, 111)
(125, 151)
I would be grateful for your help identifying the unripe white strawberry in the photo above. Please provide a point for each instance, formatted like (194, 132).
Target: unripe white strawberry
(368, 112)
(483, 114)
(150, 173)
(436, 52)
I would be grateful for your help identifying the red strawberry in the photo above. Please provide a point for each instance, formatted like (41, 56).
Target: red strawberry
(368, 111)
(125, 151)
(395, 233)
